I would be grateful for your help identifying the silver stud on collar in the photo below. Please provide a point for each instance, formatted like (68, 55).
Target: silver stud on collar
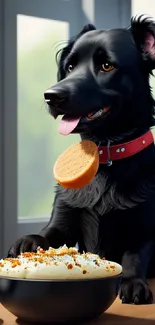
(143, 142)
(120, 150)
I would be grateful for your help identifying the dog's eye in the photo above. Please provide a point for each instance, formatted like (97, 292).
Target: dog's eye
(70, 68)
(106, 67)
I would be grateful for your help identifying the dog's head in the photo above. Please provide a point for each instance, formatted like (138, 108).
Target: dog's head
(103, 80)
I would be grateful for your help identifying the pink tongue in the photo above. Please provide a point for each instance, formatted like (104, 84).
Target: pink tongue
(67, 125)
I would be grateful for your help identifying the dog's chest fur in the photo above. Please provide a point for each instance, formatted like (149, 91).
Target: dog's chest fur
(100, 195)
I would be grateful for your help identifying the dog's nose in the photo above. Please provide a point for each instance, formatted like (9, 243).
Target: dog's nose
(56, 97)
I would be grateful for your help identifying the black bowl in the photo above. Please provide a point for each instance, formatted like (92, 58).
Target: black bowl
(57, 301)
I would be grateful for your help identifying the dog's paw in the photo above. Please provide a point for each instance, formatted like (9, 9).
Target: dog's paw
(28, 244)
(135, 291)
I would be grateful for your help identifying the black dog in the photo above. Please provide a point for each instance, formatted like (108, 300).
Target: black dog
(104, 94)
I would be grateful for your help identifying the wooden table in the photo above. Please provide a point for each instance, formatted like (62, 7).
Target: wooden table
(117, 314)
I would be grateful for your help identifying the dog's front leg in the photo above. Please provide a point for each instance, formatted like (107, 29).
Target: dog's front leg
(63, 228)
(134, 288)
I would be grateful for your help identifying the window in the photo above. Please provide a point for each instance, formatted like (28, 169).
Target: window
(39, 143)
(31, 35)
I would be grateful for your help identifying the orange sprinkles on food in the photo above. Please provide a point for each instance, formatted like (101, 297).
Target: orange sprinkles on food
(58, 251)
(84, 271)
(107, 268)
(26, 254)
(42, 251)
(70, 266)
(15, 263)
(64, 263)
(78, 264)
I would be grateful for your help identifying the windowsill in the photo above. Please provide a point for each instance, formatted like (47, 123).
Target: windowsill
(29, 220)
(27, 225)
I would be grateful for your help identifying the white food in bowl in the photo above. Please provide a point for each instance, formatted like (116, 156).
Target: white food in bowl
(62, 264)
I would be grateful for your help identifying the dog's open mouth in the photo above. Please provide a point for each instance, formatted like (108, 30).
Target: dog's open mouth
(98, 114)
(68, 124)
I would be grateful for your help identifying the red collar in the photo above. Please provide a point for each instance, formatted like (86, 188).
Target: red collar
(107, 154)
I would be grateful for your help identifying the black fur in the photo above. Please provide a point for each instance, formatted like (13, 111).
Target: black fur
(114, 215)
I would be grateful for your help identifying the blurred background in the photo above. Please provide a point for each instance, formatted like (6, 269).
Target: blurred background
(32, 31)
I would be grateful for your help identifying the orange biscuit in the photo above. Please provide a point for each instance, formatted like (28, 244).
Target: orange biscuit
(77, 166)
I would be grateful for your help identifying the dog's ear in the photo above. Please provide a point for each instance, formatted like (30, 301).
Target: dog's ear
(65, 51)
(143, 31)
